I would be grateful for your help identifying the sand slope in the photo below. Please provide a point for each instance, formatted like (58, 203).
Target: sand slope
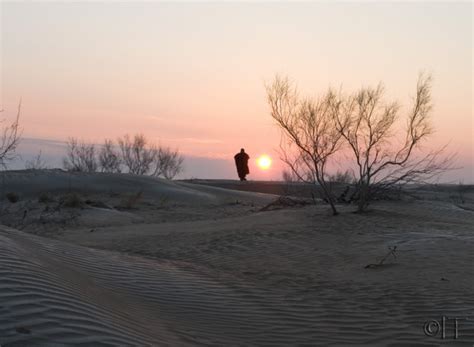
(31, 183)
(211, 269)
(69, 294)
(72, 295)
(308, 276)
(51, 201)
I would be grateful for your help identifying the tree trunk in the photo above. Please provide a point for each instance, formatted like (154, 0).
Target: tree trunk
(328, 196)
(333, 208)
(363, 197)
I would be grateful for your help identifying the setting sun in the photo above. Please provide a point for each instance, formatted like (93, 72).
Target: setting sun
(264, 162)
(140, 135)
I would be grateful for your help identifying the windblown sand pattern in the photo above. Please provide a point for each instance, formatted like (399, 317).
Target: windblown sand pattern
(71, 295)
(286, 277)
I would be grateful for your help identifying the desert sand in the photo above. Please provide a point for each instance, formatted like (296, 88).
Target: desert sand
(120, 260)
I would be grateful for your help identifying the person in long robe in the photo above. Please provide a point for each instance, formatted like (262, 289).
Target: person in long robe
(241, 162)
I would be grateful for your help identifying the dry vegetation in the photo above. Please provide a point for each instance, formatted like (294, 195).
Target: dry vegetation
(10, 138)
(315, 130)
(135, 155)
(37, 163)
(262, 255)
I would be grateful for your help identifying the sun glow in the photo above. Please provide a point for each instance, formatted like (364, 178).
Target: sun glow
(264, 162)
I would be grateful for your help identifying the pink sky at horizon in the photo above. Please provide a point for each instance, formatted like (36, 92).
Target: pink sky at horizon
(192, 75)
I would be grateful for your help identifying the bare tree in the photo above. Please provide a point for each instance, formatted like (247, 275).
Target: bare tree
(136, 155)
(342, 177)
(80, 157)
(168, 163)
(109, 159)
(10, 138)
(369, 127)
(37, 163)
(288, 176)
(309, 137)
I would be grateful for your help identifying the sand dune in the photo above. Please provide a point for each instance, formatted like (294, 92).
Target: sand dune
(73, 200)
(64, 294)
(313, 277)
(33, 182)
(236, 276)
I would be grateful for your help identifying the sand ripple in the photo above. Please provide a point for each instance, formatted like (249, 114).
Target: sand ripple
(57, 293)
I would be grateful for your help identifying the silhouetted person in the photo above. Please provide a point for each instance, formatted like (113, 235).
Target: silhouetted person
(241, 162)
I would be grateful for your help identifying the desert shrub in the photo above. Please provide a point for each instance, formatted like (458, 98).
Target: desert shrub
(72, 200)
(346, 177)
(44, 198)
(10, 136)
(136, 155)
(309, 139)
(12, 197)
(462, 190)
(168, 163)
(288, 176)
(37, 163)
(97, 203)
(385, 152)
(109, 159)
(141, 158)
(80, 157)
(130, 201)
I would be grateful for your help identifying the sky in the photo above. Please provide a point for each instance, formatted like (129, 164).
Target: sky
(192, 75)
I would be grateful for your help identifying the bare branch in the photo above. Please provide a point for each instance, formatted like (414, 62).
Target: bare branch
(141, 159)
(136, 156)
(309, 138)
(37, 163)
(10, 138)
(109, 159)
(80, 157)
(168, 163)
(367, 125)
